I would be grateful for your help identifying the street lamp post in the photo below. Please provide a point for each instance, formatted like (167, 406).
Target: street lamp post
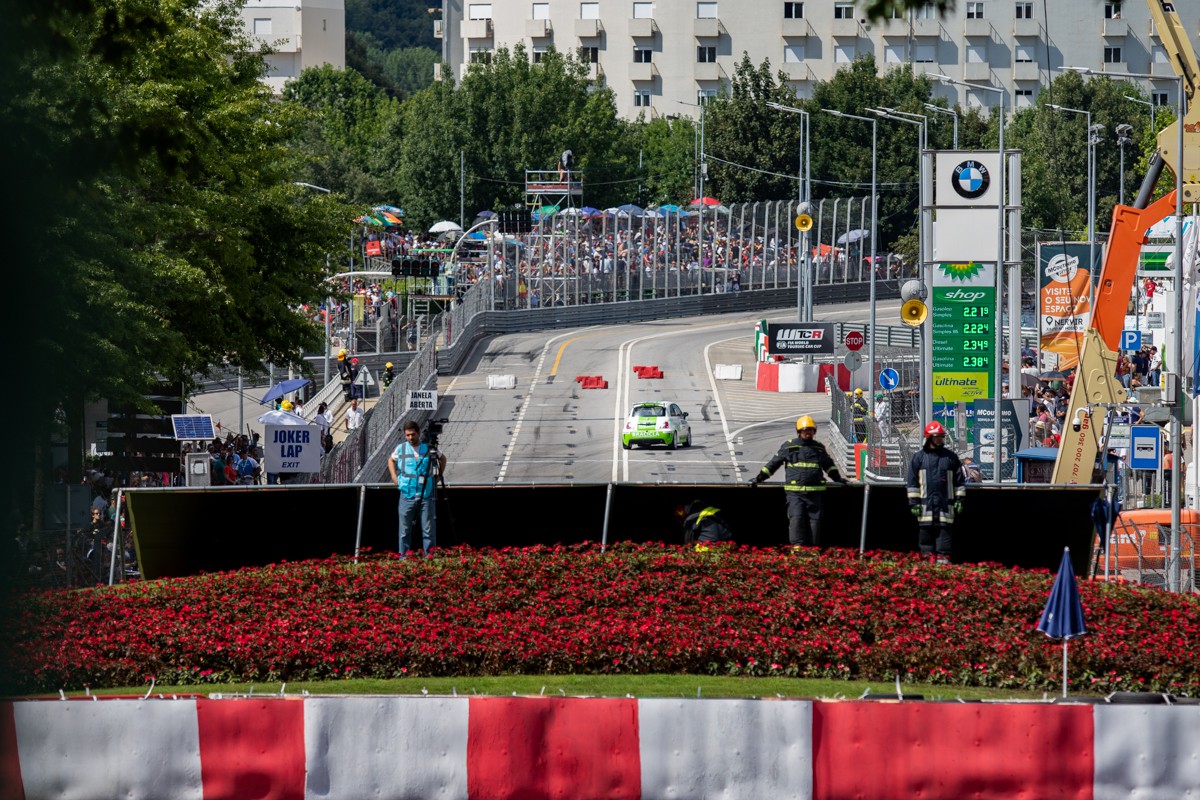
(1149, 103)
(950, 112)
(1014, 322)
(328, 300)
(874, 228)
(804, 196)
(1123, 131)
(1092, 140)
(887, 113)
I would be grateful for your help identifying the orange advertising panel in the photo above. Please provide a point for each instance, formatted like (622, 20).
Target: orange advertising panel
(1064, 300)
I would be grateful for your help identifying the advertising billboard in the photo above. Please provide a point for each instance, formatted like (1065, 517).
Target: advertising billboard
(1064, 300)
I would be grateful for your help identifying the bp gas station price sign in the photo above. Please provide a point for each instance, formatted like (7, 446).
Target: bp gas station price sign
(963, 333)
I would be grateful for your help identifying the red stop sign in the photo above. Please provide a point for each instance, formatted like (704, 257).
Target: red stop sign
(855, 340)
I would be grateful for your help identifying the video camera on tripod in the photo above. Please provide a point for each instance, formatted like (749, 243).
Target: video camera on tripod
(431, 431)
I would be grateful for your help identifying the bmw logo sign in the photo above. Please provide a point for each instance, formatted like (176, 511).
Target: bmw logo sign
(971, 179)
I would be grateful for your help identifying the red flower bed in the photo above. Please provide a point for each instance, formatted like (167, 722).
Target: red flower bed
(635, 609)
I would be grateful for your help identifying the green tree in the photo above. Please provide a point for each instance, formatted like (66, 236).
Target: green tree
(345, 143)
(668, 148)
(394, 24)
(162, 234)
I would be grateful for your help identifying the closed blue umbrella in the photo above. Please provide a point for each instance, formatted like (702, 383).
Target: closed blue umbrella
(280, 389)
(1063, 616)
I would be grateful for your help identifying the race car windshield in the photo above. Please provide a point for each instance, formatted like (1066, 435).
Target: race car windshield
(650, 411)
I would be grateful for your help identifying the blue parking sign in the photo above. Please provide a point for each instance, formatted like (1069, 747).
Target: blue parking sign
(1131, 340)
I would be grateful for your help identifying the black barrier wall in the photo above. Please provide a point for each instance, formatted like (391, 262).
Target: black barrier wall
(189, 531)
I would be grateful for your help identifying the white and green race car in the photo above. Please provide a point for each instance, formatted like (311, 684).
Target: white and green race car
(656, 423)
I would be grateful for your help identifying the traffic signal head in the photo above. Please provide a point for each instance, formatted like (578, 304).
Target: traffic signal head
(398, 267)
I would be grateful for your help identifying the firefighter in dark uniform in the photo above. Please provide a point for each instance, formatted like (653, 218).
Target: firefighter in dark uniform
(936, 487)
(704, 524)
(803, 481)
(389, 374)
(859, 410)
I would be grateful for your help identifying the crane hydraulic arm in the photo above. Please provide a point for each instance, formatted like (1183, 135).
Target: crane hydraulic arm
(1095, 383)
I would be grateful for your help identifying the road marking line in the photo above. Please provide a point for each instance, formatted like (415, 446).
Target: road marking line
(512, 443)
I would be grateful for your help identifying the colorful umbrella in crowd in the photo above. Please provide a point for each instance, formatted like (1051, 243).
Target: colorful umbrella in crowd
(445, 226)
(588, 211)
(705, 201)
(388, 217)
(850, 237)
(367, 219)
(486, 215)
(282, 388)
(630, 209)
(391, 210)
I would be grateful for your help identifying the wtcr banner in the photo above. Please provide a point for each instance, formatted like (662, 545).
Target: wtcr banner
(1064, 298)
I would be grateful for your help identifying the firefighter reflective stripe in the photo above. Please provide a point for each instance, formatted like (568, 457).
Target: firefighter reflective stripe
(792, 487)
(809, 464)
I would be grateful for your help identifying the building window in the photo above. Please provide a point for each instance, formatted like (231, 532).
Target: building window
(1024, 10)
(843, 54)
(262, 26)
(479, 11)
(893, 54)
(843, 10)
(793, 53)
(1024, 98)
(706, 10)
(589, 11)
(483, 55)
(977, 54)
(704, 95)
(975, 10)
(924, 12)
(642, 55)
(706, 54)
(643, 11)
(1112, 10)
(538, 53)
(641, 98)
(1159, 98)
(793, 10)
(589, 55)
(540, 11)
(925, 53)
(1023, 54)
(1113, 55)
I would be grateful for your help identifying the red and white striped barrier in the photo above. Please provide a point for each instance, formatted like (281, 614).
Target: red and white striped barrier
(506, 747)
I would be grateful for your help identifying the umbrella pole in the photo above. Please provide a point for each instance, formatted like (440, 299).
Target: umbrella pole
(1064, 667)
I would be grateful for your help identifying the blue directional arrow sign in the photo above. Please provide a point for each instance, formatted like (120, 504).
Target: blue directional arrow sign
(889, 379)
(1131, 340)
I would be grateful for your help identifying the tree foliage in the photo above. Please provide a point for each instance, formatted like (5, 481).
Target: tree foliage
(160, 233)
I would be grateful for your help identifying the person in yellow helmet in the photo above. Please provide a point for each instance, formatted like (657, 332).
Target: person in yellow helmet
(803, 481)
(389, 374)
(286, 405)
(859, 411)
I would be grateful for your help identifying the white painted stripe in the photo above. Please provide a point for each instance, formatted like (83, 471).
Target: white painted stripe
(1146, 752)
(392, 748)
(131, 749)
(732, 749)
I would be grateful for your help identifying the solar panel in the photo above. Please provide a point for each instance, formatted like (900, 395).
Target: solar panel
(192, 427)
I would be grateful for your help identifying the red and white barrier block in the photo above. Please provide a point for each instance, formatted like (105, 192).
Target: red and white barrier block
(507, 747)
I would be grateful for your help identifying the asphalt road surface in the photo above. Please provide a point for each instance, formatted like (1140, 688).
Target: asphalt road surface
(549, 430)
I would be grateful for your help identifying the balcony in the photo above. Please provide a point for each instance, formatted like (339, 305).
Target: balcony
(926, 28)
(707, 28)
(538, 28)
(1116, 28)
(1117, 66)
(588, 28)
(642, 28)
(1026, 71)
(709, 72)
(595, 73)
(437, 29)
(977, 28)
(893, 29)
(1162, 68)
(977, 71)
(643, 72)
(796, 29)
(797, 71)
(477, 29)
(844, 29)
(1027, 27)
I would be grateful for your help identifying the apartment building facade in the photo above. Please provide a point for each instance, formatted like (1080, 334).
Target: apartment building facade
(664, 56)
(304, 33)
